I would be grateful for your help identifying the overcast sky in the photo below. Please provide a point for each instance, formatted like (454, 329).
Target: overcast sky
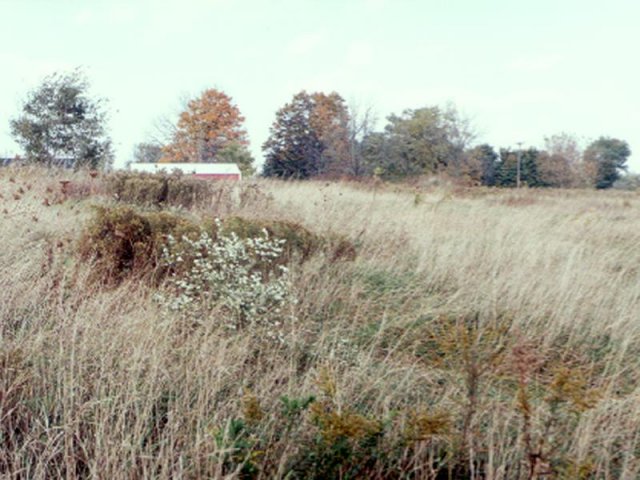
(522, 70)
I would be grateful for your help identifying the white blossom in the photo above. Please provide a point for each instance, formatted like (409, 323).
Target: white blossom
(240, 275)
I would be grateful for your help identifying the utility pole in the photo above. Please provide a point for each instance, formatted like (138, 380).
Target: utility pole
(518, 156)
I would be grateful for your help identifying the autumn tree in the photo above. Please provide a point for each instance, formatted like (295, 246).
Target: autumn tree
(209, 123)
(330, 119)
(608, 157)
(308, 137)
(61, 124)
(559, 164)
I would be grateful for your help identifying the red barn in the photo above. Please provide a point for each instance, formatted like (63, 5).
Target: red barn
(207, 171)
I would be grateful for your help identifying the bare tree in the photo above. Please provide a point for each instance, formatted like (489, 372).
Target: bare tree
(461, 133)
(362, 121)
(164, 127)
(460, 128)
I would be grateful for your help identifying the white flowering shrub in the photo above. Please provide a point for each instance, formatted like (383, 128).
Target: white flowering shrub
(241, 277)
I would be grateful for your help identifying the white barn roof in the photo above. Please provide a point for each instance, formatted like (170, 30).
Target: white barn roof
(188, 168)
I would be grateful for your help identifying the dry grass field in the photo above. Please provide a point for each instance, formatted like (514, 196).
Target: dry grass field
(475, 333)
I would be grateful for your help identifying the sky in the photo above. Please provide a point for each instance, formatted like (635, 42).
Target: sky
(520, 70)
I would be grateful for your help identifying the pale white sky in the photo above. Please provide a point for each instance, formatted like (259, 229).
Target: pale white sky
(522, 70)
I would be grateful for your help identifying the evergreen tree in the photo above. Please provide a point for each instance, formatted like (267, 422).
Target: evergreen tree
(507, 168)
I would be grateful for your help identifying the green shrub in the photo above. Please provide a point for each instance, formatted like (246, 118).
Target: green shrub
(236, 444)
(344, 443)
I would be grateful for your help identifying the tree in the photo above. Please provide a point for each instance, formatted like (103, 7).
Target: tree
(479, 165)
(560, 164)
(419, 142)
(61, 125)
(607, 156)
(423, 141)
(330, 119)
(506, 169)
(293, 148)
(376, 153)
(238, 154)
(461, 133)
(361, 123)
(209, 123)
(147, 152)
(308, 137)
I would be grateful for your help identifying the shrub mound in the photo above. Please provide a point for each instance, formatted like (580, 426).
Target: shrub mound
(122, 241)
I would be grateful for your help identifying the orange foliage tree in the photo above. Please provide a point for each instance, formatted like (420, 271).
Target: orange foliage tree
(330, 119)
(209, 124)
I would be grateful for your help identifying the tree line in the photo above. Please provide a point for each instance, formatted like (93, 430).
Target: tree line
(313, 135)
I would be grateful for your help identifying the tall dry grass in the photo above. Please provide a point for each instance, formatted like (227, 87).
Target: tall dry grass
(478, 334)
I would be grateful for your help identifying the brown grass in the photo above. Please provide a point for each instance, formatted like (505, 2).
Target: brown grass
(477, 334)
